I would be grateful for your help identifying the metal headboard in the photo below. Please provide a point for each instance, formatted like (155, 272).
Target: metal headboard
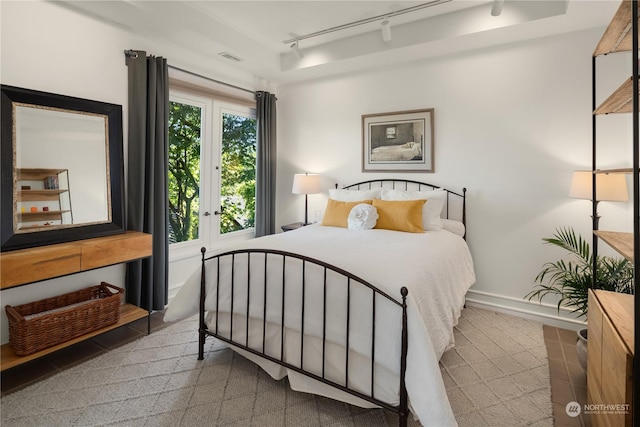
(453, 198)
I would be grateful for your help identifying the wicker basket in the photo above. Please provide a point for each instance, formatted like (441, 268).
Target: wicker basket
(48, 322)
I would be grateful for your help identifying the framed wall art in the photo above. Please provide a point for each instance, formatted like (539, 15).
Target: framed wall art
(398, 142)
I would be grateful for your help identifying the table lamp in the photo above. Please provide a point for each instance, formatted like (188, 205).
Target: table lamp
(610, 187)
(305, 183)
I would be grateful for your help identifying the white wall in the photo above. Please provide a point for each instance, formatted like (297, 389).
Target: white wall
(511, 124)
(47, 48)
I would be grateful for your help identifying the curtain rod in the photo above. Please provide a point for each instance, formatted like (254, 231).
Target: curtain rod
(133, 54)
(212, 80)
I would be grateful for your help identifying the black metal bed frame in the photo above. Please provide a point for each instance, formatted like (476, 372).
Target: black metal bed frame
(265, 256)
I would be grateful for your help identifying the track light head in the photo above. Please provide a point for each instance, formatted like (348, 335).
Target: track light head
(386, 30)
(496, 7)
(296, 50)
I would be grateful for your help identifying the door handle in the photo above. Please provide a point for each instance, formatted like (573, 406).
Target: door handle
(214, 212)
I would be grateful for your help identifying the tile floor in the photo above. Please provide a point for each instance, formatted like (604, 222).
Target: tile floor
(568, 380)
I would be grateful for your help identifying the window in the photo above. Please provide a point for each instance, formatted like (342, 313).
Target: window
(212, 171)
(185, 125)
(238, 172)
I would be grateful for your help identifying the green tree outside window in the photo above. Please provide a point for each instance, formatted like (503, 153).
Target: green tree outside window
(237, 172)
(185, 123)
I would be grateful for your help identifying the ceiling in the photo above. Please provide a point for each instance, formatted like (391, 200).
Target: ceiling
(192, 34)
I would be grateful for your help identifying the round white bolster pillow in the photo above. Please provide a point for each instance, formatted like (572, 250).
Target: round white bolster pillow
(362, 217)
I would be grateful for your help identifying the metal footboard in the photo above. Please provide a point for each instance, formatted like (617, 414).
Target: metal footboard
(351, 281)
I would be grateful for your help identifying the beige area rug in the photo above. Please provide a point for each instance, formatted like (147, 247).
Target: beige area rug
(496, 375)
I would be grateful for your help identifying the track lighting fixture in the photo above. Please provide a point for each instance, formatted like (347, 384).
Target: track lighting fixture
(296, 50)
(496, 7)
(386, 30)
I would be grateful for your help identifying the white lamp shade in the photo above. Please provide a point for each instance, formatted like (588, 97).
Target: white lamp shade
(611, 187)
(306, 183)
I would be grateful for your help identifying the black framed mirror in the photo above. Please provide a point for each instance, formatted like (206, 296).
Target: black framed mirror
(62, 169)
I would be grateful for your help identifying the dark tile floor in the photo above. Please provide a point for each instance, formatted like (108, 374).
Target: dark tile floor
(28, 373)
(568, 380)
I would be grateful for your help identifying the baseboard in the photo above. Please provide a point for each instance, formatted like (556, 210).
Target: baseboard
(533, 310)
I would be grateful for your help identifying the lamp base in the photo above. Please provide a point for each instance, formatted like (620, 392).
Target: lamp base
(293, 226)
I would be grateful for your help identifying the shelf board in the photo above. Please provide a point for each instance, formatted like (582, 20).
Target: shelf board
(620, 101)
(29, 174)
(617, 37)
(128, 314)
(618, 170)
(40, 195)
(41, 215)
(38, 227)
(621, 242)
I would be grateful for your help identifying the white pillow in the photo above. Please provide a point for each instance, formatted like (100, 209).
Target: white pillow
(456, 227)
(345, 195)
(432, 209)
(362, 217)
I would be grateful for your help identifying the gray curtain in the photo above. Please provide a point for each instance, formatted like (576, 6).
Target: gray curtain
(265, 222)
(147, 194)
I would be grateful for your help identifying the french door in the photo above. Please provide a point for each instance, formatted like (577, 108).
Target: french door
(212, 163)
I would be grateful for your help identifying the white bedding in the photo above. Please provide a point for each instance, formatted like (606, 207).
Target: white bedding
(435, 266)
(404, 152)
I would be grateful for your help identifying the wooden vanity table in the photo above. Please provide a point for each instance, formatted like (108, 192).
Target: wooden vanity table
(29, 266)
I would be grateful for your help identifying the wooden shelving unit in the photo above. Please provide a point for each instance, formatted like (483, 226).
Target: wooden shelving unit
(27, 266)
(58, 213)
(622, 35)
(618, 37)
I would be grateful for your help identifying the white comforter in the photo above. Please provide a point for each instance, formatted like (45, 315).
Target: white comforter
(435, 266)
(404, 152)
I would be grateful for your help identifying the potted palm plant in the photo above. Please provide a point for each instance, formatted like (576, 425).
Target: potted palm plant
(571, 279)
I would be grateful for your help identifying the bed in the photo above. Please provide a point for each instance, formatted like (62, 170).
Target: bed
(358, 316)
(404, 152)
